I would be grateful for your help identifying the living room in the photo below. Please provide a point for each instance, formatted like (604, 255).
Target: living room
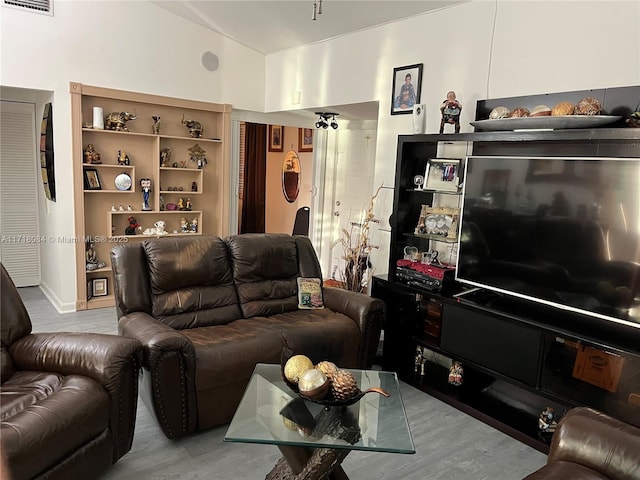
(481, 49)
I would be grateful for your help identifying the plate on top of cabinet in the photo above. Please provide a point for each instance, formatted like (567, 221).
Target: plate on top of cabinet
(545, 123)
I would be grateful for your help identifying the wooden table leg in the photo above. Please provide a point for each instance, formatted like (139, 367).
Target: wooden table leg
(300, 463)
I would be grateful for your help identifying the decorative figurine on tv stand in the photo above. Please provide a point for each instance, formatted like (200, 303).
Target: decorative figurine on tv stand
(155, 127)
(455, 374)
(451, 109)
(546, 421)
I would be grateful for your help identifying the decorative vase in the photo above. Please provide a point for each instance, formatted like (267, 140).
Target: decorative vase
(98, 118)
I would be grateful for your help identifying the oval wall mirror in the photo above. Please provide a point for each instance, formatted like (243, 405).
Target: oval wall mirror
(291, 176)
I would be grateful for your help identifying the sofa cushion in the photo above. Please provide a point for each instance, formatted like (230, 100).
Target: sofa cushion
(265, 269)
(46, 417)
(191, 282)
(321, 334)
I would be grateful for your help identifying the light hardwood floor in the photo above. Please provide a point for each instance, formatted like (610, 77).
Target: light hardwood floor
(450, 445)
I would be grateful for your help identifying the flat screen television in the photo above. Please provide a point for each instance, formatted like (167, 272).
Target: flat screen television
(563, 231)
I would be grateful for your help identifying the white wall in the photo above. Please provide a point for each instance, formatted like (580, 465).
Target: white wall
(537, 47)
(128, 45)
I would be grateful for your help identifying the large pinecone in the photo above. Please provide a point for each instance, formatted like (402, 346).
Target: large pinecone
(343, 385)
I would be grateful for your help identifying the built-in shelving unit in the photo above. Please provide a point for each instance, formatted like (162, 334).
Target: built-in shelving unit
(182, 190)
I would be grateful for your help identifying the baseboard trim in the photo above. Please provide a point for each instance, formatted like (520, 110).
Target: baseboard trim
(60, 306)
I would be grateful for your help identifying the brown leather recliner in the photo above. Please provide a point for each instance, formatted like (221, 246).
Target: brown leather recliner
(207, 310)
(68, 400)
(589, 445)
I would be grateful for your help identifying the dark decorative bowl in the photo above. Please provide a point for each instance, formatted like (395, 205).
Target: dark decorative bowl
(327, 400)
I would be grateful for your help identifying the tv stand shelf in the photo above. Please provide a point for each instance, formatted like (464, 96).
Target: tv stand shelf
(515, 365)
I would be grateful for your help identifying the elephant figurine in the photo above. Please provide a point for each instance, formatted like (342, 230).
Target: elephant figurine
(195, 127)
(118, 121)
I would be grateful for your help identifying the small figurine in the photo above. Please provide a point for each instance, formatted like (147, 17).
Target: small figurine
(155, 128)
(159, 229)
(181, 204)
(183, 164)
(113, 208)
(194, 226)
(188, 204)
(123, 158)
(194, 186)
(129, 208)
(546, 421)
(145, 183)
(195, 127)
(118, 121)
(91, 256)
(165, 156)
(451, 109)
(184, 226)
(197, 155)
(162, 205)
(418, 361)
(121, 208)
(91, 156)
(455, 374)
(133, 226)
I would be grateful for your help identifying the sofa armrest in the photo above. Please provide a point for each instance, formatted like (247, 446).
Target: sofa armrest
(597, 441)
(367, 312)
(112, 361)
(169, 360)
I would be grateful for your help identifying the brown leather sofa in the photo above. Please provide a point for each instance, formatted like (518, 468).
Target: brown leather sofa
(589, 445)
(207, 310)
(68, 400)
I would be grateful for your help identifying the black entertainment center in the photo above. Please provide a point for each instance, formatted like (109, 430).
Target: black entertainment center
(571, 339)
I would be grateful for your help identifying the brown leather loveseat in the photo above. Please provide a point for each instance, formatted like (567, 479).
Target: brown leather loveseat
(68, 400)
(589, 445)
(207, 310)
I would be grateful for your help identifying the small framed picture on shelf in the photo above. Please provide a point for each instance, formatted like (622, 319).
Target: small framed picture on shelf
(276, 138)
(438, 222)
(99, 287)
(305, 140)
(442, 174)
(91, 179)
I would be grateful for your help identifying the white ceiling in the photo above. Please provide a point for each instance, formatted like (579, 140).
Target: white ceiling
(271, 26)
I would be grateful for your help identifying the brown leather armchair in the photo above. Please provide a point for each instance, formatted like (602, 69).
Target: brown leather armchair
(68, 400)
(207, 310)
(589, 445)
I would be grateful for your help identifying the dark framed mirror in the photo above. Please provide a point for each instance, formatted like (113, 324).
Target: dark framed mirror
(291, 176)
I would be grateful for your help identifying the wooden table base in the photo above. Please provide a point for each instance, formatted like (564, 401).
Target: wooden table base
(300, 463)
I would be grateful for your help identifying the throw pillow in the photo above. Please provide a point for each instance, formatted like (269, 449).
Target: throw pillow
(310, 293)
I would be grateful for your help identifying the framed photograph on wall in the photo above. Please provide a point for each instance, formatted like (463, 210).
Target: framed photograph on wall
(91, 179)
(443, 174)
(276, 138)
(406, 88)
(305, 140)
(100, 287)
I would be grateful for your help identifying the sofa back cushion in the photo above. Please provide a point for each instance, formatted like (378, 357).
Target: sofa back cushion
(265, 269)
(15, 322)
(191, 282)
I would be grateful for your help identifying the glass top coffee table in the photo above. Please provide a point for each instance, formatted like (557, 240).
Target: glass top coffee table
(314, 438)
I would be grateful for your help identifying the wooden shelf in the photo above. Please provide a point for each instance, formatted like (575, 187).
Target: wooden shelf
(93, 215)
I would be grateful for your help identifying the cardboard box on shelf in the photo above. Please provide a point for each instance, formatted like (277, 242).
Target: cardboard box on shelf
(599, 368)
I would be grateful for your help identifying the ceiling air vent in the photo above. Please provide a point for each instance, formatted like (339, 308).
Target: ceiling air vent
(38, 6)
